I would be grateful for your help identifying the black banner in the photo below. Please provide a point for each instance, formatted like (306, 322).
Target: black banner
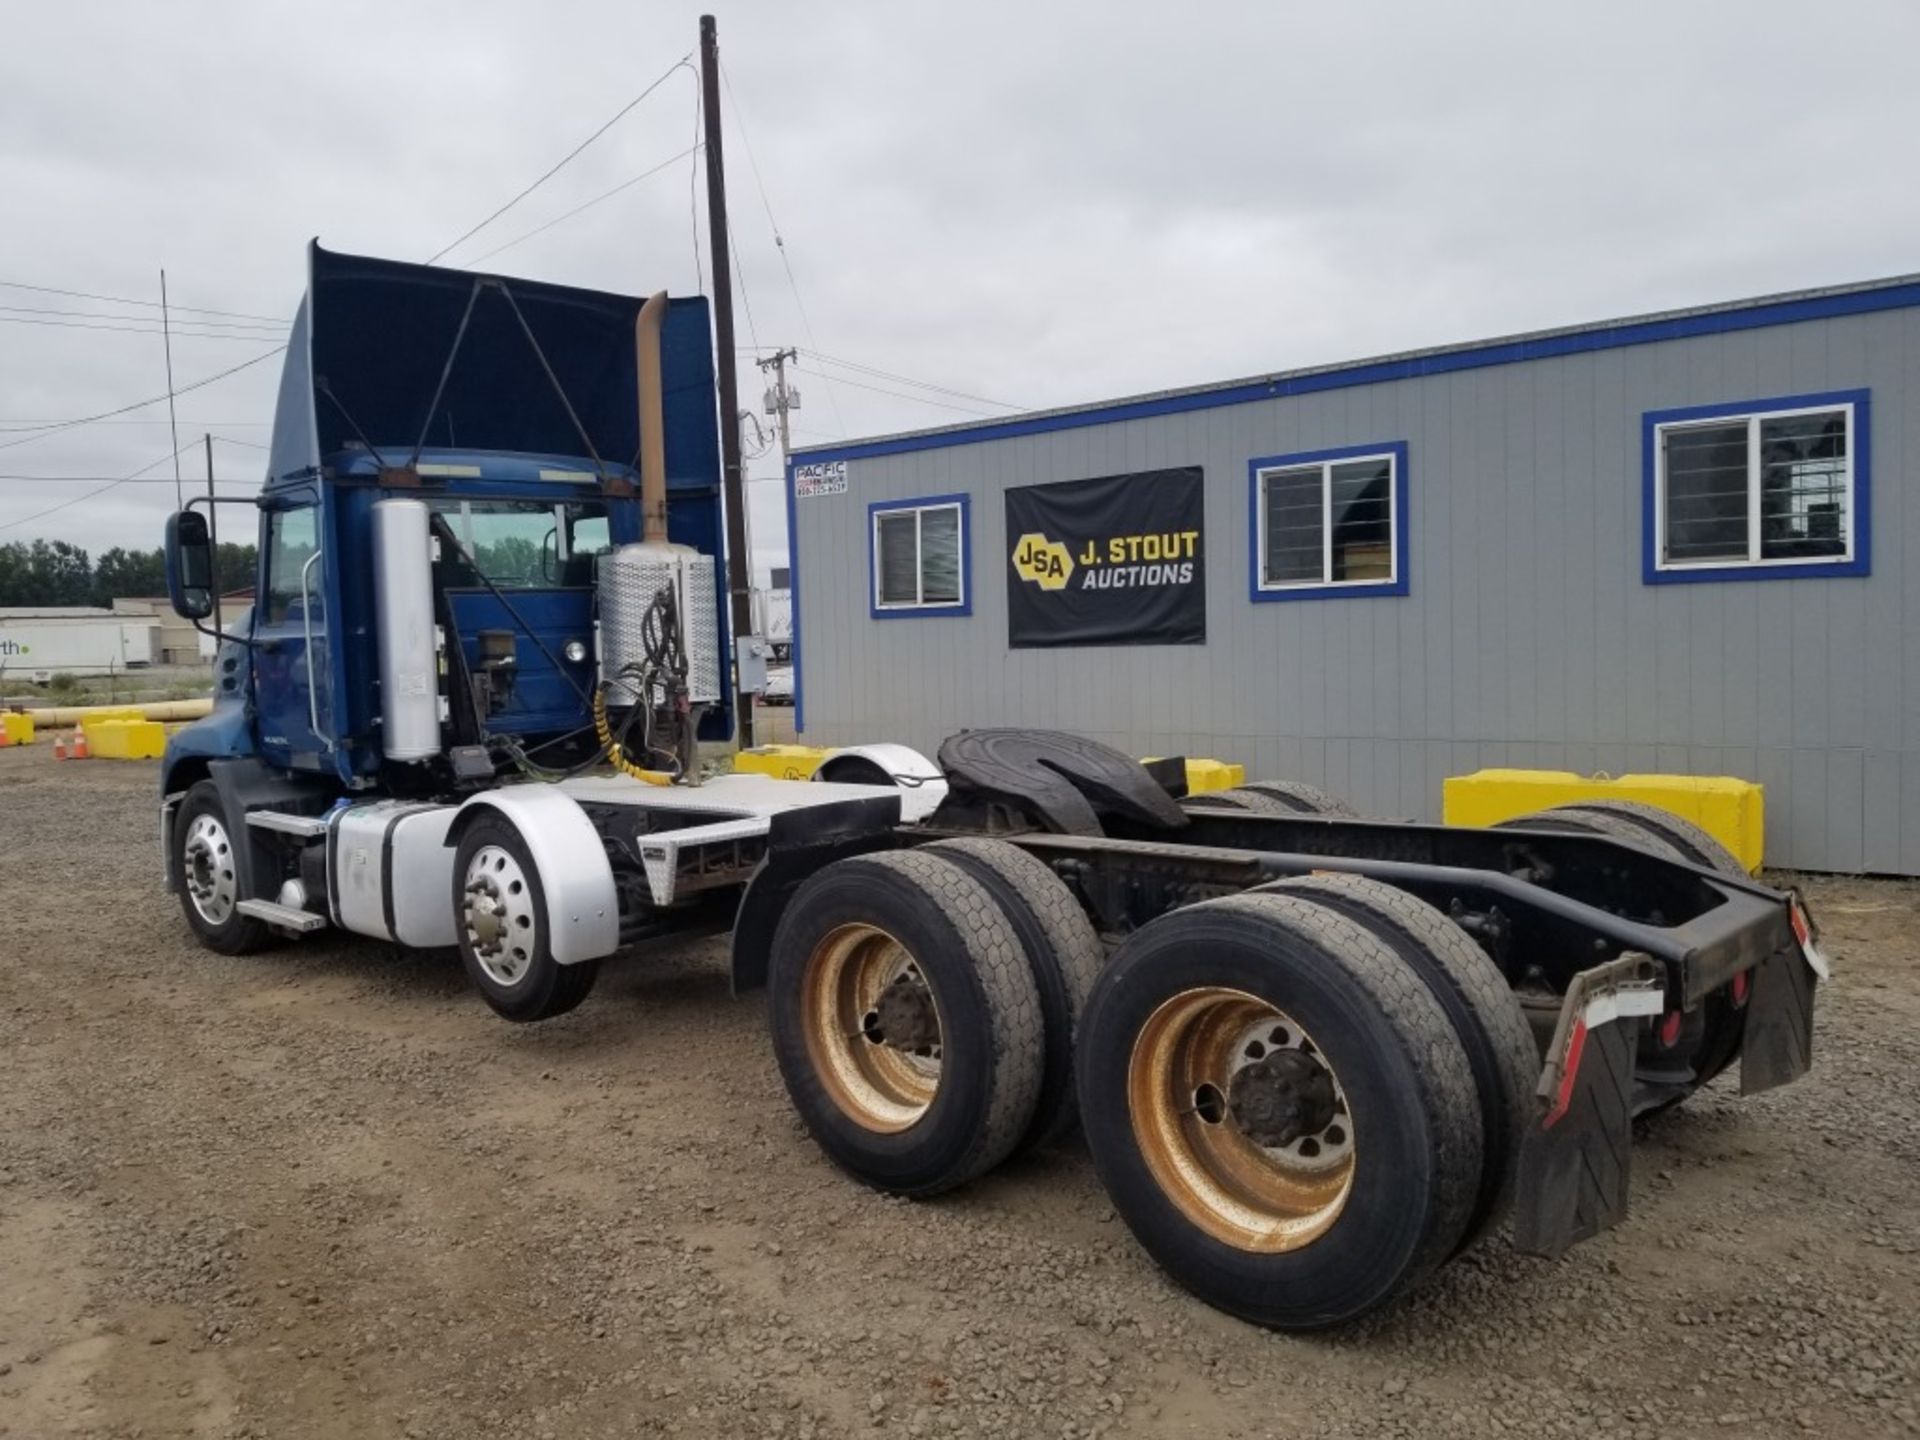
(1115, 561)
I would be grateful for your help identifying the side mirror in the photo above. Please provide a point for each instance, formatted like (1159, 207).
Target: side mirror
(189, 550)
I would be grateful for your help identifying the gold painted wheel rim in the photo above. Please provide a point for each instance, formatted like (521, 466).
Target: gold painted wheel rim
(878, 1085)
(1257, 1197)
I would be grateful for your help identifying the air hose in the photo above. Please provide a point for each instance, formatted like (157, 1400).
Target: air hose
(616, 756)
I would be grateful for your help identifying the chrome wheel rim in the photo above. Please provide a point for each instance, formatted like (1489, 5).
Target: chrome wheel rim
(208, 865)
(497, 915)
(872, 1027)
(1241, 1119)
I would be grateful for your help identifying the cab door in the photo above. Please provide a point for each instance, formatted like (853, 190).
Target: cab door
(293, 703)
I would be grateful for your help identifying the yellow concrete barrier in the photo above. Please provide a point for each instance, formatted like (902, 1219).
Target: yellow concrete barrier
(125, 739)
(1732, 811)
(18, 728)
(1204, 774)
(782, 762)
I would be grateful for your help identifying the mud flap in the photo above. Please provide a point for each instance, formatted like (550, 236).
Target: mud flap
(1777, 1047)
(1574, 1170)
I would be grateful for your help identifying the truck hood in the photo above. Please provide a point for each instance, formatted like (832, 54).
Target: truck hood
(372, 340)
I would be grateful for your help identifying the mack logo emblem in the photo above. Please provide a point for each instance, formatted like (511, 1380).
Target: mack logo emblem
(1116, 560)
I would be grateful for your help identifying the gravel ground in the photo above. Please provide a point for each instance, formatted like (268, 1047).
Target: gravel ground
(322, 1192)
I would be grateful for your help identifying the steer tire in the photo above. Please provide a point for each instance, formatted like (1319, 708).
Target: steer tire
(859, 913)
(1407, 1088)
(546, 988)
(214, 920)
(1063, 951)
(1301, 798)
(1485, 1014)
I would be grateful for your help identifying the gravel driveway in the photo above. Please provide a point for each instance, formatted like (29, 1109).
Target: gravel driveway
(321, 1191)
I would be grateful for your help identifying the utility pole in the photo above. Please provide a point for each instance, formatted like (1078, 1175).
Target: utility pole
(733, 488)
(781, 399)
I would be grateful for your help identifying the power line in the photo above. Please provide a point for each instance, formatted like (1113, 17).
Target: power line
(129, 300)
(41, 431)
(190, 424)
(920, 399)
(82, 499)
(779, 242)
(140, 330)
(108, 479)
(566, 159)
(608, 195)
(908, 380)
(278, 325)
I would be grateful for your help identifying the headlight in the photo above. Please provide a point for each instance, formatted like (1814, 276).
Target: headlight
(576, 651)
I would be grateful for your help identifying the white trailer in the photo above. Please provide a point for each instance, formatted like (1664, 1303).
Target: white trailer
(37, 645)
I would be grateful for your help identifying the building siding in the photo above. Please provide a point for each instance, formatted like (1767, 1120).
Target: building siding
(1528, 638)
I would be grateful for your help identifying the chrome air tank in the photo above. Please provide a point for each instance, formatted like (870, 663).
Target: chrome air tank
(404, 625)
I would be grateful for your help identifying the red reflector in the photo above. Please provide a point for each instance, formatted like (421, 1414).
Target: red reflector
(1670, 1030)
(1576, 1046)
(1741, 984)
(1800, 930)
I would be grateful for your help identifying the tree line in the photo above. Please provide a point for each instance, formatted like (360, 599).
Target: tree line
(42, 573)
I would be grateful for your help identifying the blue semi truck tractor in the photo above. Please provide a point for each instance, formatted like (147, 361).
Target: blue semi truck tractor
(1314, 1056)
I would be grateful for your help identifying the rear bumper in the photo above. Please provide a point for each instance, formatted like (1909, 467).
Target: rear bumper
(1575, 1163)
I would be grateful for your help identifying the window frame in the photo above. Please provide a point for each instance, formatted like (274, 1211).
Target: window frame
(1655, 424)
(1258, 588)
(918, 506)
(267, 611)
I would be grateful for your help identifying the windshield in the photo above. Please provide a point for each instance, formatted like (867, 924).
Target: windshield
(525, 544)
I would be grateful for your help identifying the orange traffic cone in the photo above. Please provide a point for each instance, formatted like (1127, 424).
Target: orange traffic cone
(59, 748)
(79, 743)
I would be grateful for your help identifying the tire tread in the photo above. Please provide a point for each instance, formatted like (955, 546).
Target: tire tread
(1063, 977)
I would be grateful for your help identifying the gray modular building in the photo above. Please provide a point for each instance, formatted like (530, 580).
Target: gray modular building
(1671, 543)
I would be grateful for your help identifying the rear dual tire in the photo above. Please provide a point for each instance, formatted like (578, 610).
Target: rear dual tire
(1272, 797)
(1201, 1151)
(906, 1021)
(1668, 1071)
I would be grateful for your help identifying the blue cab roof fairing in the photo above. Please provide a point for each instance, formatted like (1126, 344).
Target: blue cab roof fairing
(377, 333)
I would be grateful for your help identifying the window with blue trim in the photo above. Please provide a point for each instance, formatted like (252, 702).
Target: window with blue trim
(1758, 488)
(1330, 522)
(919, 556)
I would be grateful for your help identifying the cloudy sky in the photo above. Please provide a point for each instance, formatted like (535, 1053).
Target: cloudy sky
(1025, 205)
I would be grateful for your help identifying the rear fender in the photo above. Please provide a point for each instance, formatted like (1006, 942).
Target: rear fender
(922, 786)
(800, 843)
(583, 910)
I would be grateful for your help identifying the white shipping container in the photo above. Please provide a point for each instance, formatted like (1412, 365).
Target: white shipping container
(35, 649)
